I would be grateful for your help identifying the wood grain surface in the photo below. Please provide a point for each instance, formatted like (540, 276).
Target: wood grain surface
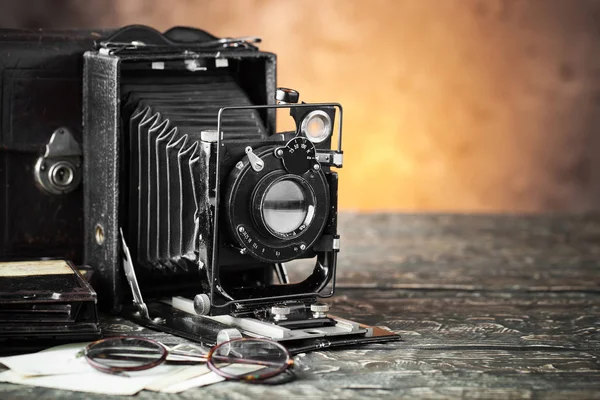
(488, 307)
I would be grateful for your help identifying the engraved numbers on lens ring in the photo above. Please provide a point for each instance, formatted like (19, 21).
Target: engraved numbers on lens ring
(291, 161)
(298, 143)
(258, 247)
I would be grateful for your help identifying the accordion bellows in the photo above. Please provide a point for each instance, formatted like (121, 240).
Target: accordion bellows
(164, 119)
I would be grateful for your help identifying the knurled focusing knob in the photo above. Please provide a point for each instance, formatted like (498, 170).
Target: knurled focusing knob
(319, 310)
(287, 96)
(225, 335)
(280, 312)
(201, 304)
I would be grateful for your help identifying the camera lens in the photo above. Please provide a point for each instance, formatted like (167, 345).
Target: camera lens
(284, 206)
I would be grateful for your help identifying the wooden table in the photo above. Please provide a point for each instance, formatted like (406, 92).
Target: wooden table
(488, 306)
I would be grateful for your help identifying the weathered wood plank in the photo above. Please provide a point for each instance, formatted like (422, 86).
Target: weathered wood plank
(569, 320)
(468, 252)
(488, 306)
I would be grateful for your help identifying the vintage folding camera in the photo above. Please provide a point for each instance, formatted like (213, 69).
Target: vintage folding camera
(158, 154)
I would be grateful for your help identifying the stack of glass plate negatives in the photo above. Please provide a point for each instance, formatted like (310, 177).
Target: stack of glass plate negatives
(45, 300)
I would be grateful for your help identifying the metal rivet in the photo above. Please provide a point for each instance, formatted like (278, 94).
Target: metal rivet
(99, 234)
(316, 167)
(241, 229)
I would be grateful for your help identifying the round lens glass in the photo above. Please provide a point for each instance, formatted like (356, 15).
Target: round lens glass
(125, 354)
(249, 359)
(315, 127)
(284, 206)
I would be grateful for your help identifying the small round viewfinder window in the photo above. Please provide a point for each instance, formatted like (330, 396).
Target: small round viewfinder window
(284, 206)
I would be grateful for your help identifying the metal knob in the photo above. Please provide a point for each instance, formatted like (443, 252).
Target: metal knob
(287, 96)
(319, 310)
(201, 304)
(280, 313)
(225, 335)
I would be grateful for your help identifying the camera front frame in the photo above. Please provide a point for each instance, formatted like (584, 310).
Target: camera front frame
(323, 239)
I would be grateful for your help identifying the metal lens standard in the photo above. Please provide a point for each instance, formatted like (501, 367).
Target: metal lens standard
(249, 359)
(125, 354)
(284, 207)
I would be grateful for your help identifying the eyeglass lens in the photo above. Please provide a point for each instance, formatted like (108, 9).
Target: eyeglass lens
(249, 359)
(125, 354)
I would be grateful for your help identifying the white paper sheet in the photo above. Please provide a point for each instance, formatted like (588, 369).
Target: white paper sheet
(53, 361)
(209, 378)
(202, 380)
(61, 368)
(92, 381)
(183, 375)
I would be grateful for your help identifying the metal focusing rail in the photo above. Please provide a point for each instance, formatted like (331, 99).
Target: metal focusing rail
(255, 327)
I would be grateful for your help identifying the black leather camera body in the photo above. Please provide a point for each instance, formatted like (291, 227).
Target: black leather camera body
(170, 138)
(41, 82)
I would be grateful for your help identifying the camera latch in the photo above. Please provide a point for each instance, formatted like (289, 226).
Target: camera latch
(255, 161)
(58, 171)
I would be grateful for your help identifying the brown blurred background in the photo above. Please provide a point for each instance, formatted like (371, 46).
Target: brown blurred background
(459, 105)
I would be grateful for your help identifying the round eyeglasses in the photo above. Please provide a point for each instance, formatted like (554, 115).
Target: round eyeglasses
(247, 359)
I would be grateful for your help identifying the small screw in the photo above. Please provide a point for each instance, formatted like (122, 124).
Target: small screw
(279, 152)
(302, 247)
(316, 167)
(241, 229)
